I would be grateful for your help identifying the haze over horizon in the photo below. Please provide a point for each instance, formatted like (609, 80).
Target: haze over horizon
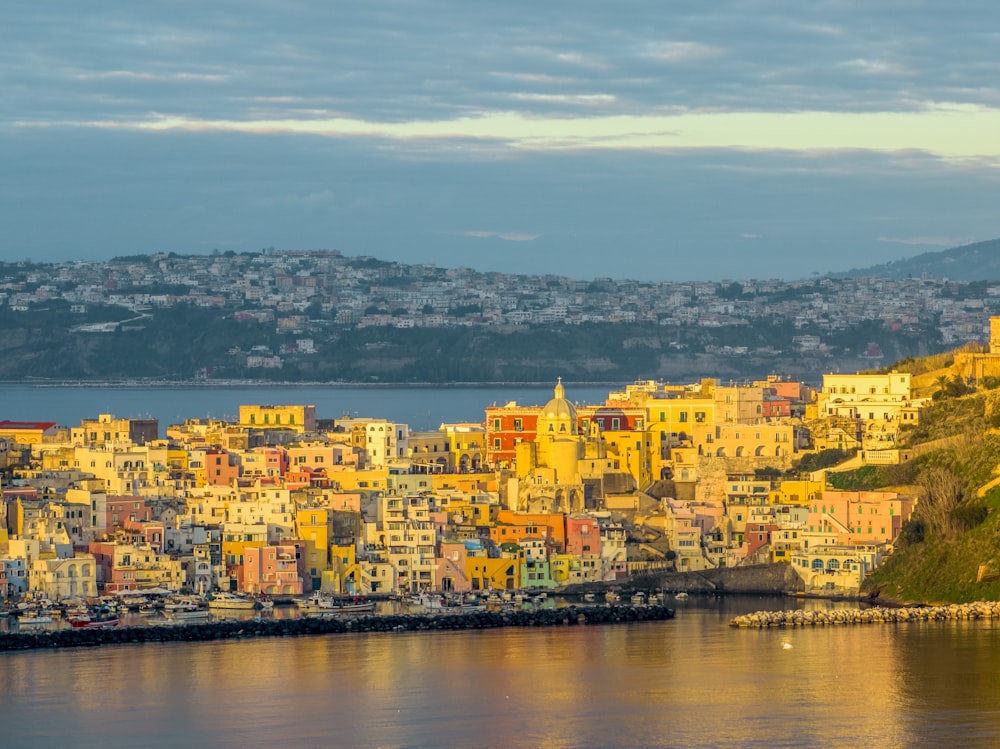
(755, 140)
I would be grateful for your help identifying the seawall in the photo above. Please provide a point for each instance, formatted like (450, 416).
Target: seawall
(251, 628)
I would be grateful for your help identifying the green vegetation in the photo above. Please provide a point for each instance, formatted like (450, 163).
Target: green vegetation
(949, 551)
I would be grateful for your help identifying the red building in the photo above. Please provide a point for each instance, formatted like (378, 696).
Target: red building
(506, 427)
(583, 535)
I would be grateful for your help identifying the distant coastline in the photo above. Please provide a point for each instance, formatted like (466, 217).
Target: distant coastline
(40, 383)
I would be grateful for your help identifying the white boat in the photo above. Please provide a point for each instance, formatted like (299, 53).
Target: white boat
(34, 620)
(682, 596)
(230, 602)
(186, 614)
(321, 604)
(186, 608)
(434, 603)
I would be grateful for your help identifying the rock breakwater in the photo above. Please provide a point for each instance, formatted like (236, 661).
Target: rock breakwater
(240, 629)
(873, 615)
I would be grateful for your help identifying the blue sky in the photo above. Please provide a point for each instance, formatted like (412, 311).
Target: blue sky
(653, 140)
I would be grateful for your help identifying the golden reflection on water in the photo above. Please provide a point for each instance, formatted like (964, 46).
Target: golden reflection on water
(689, 682)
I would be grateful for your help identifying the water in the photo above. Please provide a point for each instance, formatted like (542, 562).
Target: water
(422, 408)
(693, 681)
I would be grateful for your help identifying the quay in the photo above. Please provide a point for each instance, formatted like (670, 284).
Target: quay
(251, 628)
(873, 615)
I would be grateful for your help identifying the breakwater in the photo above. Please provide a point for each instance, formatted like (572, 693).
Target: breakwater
(874, 615)
(249, 628)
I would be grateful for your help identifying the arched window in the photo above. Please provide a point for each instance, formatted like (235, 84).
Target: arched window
(817, 564)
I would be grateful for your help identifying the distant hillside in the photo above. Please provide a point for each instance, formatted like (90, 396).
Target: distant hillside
(972, 262)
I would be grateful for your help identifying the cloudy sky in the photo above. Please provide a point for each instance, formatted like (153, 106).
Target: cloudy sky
(658, 139)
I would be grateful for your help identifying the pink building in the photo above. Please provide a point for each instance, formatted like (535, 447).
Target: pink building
(450, 574)
(271, 570)
(860, 517)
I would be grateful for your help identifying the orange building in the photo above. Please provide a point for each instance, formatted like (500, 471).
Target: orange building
(551, 526)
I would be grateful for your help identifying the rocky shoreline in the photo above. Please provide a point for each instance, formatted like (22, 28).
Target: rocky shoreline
(252, 628)
(872, 615)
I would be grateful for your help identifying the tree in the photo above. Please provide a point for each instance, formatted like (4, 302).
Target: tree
(942, 491)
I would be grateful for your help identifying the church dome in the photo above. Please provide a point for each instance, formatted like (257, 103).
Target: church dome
(558, 416)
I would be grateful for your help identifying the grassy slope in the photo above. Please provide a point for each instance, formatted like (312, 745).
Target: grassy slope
(944, 567)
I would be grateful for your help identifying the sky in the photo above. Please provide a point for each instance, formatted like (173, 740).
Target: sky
(660, 140)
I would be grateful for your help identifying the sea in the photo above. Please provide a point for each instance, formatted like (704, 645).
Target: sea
(693, 681)
(422, 408)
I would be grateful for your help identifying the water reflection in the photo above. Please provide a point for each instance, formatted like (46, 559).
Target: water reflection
(692, 681)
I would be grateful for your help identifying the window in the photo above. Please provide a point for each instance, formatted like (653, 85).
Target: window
(517, 425)
(496, 443)
(682, 416)
(496, 424)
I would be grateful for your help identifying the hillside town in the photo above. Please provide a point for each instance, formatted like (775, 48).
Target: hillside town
(283, 504)
(306, 294)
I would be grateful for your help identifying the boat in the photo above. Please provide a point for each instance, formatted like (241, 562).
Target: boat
(612, 597)
(321, 604)
(230, 602)
(438, 604)
(682, 596)
(34, 619)
(97, 618)
(184, 608)
(638, 599)
(186, 612)
(588, 597)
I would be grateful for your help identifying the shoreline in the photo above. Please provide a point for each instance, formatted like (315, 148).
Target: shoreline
(256, 628)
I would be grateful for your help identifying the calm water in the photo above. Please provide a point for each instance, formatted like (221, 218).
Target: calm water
(420, 407)
(692, 681)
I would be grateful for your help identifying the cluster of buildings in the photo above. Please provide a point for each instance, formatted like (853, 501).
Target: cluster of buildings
(293, 290)
(280, 502)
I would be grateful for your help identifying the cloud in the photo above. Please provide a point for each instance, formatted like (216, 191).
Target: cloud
(750, 236)
(507, 236)
(929, 241)
(877, 67)
(682, 52)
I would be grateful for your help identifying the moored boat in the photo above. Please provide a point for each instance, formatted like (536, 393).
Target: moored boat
(95, 618)
(321, 604)
(229, 601)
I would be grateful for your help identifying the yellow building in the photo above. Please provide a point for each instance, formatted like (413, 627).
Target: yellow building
(294, 418)
(632, 451)
(313, 524)
(797, 492)
(236, 537)
(484, 573)
(107, 430)
(874, 397)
